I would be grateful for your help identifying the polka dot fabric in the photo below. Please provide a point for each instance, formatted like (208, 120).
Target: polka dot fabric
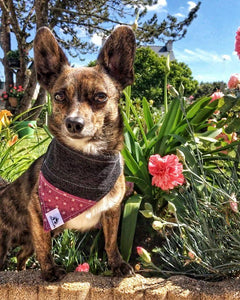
(68, 205)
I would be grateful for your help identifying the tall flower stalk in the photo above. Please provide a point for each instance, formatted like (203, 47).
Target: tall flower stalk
(166, 83)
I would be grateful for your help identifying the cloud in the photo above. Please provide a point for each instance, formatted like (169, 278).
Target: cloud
(191, 5)
(179, 15)
(226, 57)
(157, 7)
(96, 39)
(199, 55)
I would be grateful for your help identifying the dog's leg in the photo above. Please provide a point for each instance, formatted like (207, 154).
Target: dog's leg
(5, 239)
(42, 245)
(110, 221)
(26, 251)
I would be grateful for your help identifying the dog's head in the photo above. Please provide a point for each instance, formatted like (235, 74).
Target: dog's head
(85, 100)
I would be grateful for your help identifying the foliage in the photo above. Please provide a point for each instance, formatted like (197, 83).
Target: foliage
(203, 240)
(16, 154)
(13, 54)
(207, 88)
(73, 248)
(150, 70)
(229, 112)
(184, 130)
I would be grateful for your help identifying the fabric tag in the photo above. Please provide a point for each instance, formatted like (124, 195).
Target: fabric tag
(54, 218)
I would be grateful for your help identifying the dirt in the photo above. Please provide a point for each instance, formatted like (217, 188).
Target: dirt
(29, 285)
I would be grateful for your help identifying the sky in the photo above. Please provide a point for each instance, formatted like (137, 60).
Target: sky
(208, 47)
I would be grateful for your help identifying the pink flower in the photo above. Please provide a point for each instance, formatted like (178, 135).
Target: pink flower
(166, 171)
(233, 203)
(216, 95)
(144, 254)
(234, 81)
(237, 42)
(82, 268)
(31, 125)
(234, 206)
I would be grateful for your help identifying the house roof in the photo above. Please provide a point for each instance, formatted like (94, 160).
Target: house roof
(164, 50)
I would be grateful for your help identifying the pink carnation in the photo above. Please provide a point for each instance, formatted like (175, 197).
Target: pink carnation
(216, 95)
(234, 81)
(82, 268)
(166, 171)
(237, 42)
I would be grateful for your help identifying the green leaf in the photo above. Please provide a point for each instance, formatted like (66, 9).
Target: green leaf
(143, 186)
(195, 107)
(129, 221)
(130, 161)
(147, 114)
(204, 113)
(229, 102)
(168, 124)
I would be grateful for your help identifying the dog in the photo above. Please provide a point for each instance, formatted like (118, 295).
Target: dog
(86, 124)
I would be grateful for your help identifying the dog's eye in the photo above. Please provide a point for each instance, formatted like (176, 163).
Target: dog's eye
(60, 97)
(100, 97)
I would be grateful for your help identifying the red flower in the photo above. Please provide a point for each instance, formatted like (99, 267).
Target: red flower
(82, 268)
(237, 42)
(166, 171)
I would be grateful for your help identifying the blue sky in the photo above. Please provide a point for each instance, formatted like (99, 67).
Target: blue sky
(208, 48)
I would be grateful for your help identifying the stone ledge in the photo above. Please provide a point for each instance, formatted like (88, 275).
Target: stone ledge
(27, 285)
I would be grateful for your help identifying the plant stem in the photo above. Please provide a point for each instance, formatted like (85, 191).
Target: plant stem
(165, 93)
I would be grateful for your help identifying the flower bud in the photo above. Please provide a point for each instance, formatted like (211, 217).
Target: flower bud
(181, 89)
(171, 207)
(148, 206)
(144, 254)
(157, 225)
(172, 91)
(168, 65)
(146, 213)
(181, 156)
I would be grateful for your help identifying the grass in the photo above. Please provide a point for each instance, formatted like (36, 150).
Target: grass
(17, 158)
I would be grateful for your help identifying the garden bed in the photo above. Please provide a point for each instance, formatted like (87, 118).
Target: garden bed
(28, 285)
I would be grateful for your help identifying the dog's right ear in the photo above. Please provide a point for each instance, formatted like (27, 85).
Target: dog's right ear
(49, 58)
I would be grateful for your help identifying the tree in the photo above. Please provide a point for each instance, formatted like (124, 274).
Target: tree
(149, 76)
(207, 88)
(71, 19)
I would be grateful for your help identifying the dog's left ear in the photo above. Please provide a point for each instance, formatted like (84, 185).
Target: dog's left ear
(117, 55)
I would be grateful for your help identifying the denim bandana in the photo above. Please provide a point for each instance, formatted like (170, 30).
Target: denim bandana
(71, 182)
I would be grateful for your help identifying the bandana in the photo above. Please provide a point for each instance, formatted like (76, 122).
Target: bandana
(71, 182)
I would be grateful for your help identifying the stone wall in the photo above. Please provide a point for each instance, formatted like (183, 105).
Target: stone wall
(28, 285)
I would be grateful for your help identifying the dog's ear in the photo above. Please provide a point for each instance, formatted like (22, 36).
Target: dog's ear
(117, 55)
(49, 58)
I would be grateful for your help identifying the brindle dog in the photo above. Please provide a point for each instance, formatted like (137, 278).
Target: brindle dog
(85, 117)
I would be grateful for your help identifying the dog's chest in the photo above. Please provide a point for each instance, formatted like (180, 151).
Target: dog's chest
(70, 182)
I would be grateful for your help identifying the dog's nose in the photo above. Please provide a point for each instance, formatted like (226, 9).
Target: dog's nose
(74, 124)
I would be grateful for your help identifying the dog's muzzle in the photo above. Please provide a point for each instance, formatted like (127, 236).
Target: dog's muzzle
(74, 124)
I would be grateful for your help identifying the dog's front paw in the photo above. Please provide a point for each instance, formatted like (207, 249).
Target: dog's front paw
(123, 269)
(55, 273)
